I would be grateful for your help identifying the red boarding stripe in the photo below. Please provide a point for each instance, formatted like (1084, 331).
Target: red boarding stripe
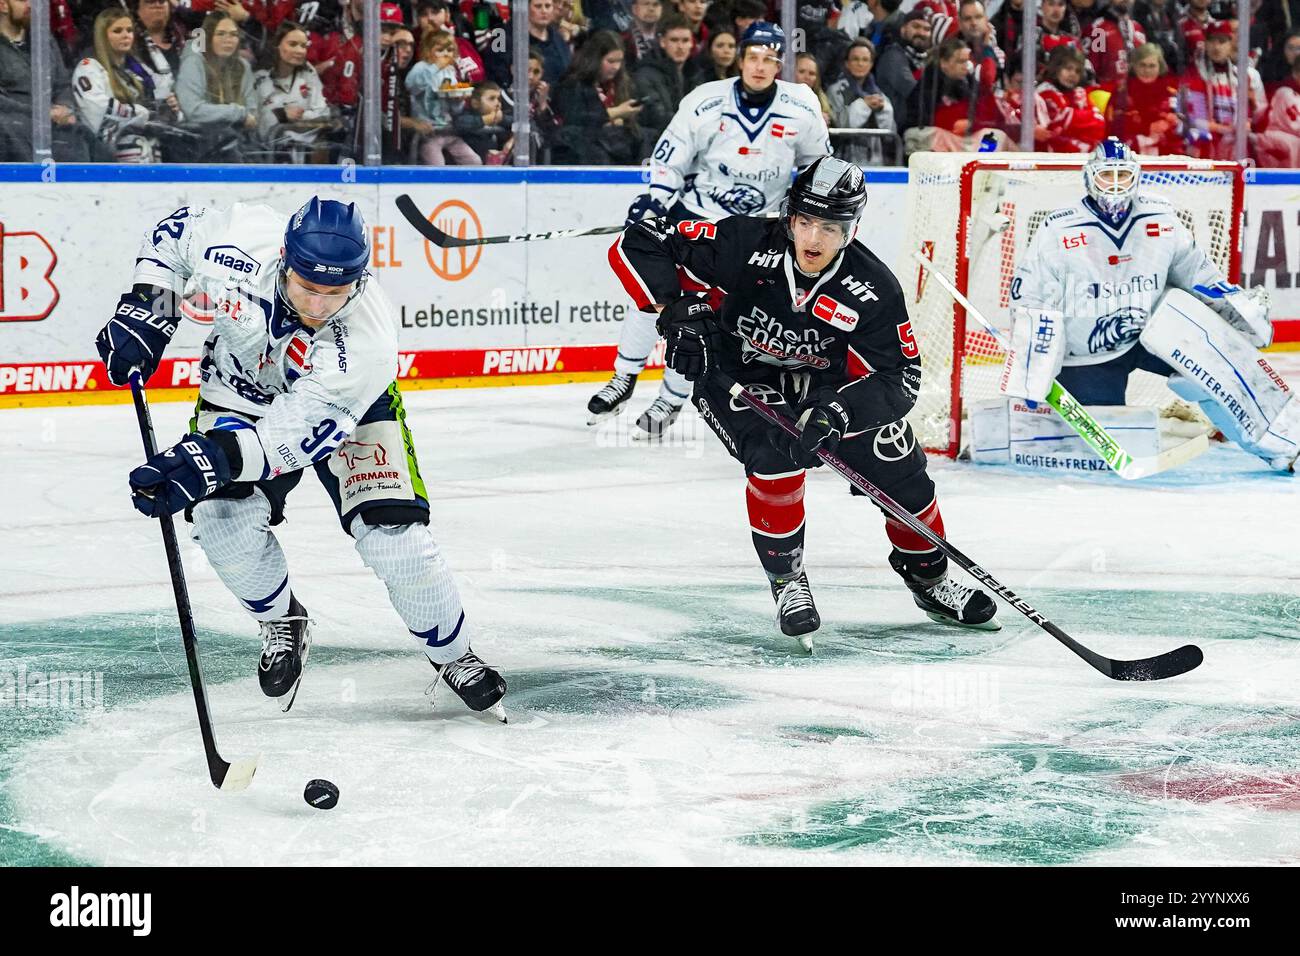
(905, 539)
(775, 504)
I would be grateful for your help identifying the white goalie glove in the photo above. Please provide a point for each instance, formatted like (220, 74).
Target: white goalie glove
(1036, 354)
(1246, 310)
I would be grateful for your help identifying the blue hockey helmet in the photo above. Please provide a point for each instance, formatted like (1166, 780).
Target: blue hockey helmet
(1111, 177)
(325, 242)
(762, 33)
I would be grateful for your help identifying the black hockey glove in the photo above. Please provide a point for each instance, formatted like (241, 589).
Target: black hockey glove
(137, 334)
(824, 422)
(174, 479)
(646, 206)
(692, 338)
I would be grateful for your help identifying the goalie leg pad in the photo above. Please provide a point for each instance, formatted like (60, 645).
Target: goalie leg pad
(420, 585)
(1219, 369)
(1036, 353)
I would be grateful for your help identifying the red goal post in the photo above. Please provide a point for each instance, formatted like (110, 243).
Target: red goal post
(974, 216)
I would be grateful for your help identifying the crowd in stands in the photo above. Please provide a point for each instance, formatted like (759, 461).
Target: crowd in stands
(139, 81)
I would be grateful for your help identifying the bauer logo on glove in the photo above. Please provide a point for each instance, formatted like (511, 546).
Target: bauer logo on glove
(174, 479)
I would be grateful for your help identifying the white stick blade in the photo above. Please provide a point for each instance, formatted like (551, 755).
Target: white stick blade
(240, 775)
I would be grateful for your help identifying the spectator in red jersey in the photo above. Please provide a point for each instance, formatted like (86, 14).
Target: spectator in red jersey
(694, 11)
(1280, 144)
(987, 59)
(1115, 34)
(1146, 116)
(336, 54)
(436, 14)
(1193, 24)
(63, 27)
(946, 112)
(1210, 93)
(1074, 124)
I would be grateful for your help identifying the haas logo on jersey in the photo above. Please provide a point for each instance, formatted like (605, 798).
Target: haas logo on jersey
(233, 258)
(1118, 329)
(840, 316)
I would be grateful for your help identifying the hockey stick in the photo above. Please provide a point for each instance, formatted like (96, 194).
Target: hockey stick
(1170, 664)
(1076, 415)
(439, 238)
(225, 776)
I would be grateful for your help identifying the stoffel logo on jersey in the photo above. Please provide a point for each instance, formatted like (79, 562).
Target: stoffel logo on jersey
(840, 316)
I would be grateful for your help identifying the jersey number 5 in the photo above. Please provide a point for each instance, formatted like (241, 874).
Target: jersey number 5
(908, 339)
(697, 229)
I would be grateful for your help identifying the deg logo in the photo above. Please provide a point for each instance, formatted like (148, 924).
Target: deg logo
(458, 219)
(27, 260)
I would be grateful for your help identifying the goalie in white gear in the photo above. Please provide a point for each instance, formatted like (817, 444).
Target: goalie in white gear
(729, 151)
(1097, 296)
(297, 373)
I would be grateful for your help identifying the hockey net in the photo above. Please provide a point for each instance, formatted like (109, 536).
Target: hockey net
(974, 216)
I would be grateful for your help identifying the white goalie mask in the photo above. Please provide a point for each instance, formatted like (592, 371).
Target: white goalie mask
(1111, 176)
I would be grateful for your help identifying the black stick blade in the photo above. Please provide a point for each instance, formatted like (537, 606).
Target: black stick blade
(407, 207)
(1162, 666)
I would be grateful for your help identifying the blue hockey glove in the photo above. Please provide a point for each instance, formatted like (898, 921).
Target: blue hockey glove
(137, 334)
(174, 479)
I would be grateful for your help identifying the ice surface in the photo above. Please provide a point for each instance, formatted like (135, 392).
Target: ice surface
(657, 714)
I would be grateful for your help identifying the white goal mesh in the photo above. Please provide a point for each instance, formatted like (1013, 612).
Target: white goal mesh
(975, 216)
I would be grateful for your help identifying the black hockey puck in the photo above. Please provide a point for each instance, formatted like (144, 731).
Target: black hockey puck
(321, 794)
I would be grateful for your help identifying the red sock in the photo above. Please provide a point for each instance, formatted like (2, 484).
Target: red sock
(908, 541)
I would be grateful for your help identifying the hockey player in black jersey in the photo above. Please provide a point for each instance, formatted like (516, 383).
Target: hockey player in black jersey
(815, 325)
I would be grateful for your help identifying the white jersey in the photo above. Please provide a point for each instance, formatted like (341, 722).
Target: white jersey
(305, 390)
(274, 93)
(722, 158)
(1106, 281)
(108, 117)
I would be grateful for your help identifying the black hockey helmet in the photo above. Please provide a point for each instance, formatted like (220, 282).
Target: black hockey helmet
(830, 189)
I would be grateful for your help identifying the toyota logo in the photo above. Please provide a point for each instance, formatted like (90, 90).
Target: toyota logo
(765, 393)
(893, 442)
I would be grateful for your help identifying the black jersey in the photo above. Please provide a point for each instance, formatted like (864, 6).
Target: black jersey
(847, 326)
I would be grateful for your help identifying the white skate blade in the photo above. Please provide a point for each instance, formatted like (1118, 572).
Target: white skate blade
(239, 775)
(806, 642)
(596, 419)
(498, 711)
(992, 624)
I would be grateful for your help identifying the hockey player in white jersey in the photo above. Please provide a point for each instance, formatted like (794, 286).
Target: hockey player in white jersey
(298, 371)
(1116, 283)
(729, 151)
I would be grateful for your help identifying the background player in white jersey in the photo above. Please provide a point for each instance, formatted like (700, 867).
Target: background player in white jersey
(729, 151)
(298, 371)
(1116, 283)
